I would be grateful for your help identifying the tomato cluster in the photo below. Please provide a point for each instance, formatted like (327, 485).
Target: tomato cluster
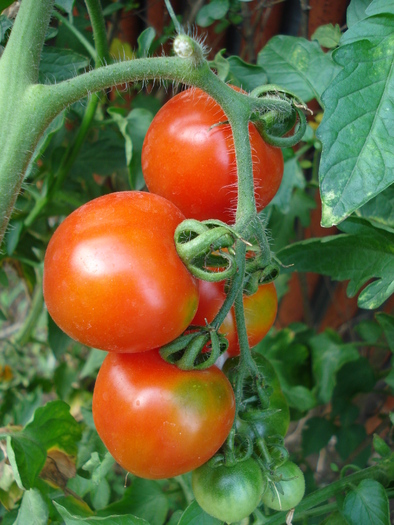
(113, 280)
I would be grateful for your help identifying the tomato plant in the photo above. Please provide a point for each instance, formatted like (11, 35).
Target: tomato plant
(188, 157)
(260, 312)
(285, 488)
(104, 281)
(229, 493)
(68, 136)
(156, 420)
(275, 420)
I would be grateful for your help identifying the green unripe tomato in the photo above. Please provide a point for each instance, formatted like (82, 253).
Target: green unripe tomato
(289, 491)
(229, 493)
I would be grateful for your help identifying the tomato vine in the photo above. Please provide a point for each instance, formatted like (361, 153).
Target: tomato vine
(247, 452)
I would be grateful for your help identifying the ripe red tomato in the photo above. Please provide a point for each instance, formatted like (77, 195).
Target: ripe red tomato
(156, 420)
(112, 277)
(190, 160)
(260, 312)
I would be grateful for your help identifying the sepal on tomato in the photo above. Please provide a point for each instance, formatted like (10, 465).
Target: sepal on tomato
(187, 351)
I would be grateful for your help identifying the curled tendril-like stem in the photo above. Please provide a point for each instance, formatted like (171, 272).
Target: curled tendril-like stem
(200, 246)
(275, 123)
(257, 274)
(186, 352)
(237, 448)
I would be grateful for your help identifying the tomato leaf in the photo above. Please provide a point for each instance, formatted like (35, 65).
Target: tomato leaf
(281, 224)
(53, 425)
(27, 458)
(247, 76)
(57, 339)
(357, 129)
(33, 509)
(298, 65)
(73, 519)
(138, 122)
(348, 439)
(367, 504)
(98, 468)
(145, 41)
(104, 156)
(328, 35)
(316, 433)
(291, 361)
(66, 5)
(60, 64)
(143, 499)
(293, 177)
(329, 354)
(4, 4)
(335, 519)
(215, 10)
(380, 210)
(360, 254)
(380, 6)
(5, 25)
(356, 11)
(92, 364)
(194, 515)
(387, 323)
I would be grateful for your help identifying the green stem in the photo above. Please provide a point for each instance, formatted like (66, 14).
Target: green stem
(34, 106)
(30, 323)
(174, 19)
(101, 57)
(84, 41)
(79, 140)
(18, 70)
(247, 361)
(186, 489)
(234, 289)
(246, 205)
(382, 472)
(99, 32)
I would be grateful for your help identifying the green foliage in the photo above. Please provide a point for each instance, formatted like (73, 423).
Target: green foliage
(215, 10)
(60, 64)
(328, 36)
(360, 254)
(356, 128)
(367, 504)
(299, 65)
(194, 515)
(46, 379)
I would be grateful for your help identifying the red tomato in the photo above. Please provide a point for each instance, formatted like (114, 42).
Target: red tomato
(192, 163)
(112, 277)
(156, 420)
(260, 312)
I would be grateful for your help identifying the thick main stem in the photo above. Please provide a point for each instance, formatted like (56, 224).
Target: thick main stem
(18, 70)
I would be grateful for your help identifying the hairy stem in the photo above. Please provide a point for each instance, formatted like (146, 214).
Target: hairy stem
(99, 31)
(382, 472)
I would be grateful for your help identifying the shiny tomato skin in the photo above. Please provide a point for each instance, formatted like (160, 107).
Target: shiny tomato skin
(112, 277)
(189, 158)
(229, 494)
(260, 313)
(159, 421)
